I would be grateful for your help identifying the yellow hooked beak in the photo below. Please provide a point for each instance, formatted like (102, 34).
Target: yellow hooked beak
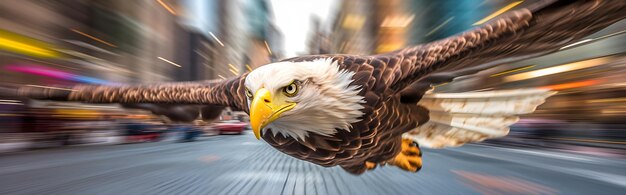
(264, 109)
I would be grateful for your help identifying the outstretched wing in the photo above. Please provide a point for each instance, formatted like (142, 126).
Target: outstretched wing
(535, 30)
(538, 29)
(222, 93)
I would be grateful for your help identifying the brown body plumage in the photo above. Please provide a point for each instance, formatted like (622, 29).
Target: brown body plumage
(390, 83)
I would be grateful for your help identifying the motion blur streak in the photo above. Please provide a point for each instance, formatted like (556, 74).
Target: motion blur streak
(216, 39)
(574, 144)
(571, 85)
(439, 27)
(49, 87)
(11, 102)
(169, 62)
(20, 44)
(169, 9)
(593, 39)
(590, 140)
(14, 101)
(500, 11)
(49, 72)
(268, 47)
(94, 38)
(233, 68)
(558, 69)
(512, 71)
(607, 100)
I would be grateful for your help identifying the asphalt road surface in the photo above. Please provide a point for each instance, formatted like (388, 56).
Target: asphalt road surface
(240, 164)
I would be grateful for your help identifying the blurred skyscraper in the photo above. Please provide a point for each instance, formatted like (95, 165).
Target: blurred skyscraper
(354, 29)
(138, 41)
(318, 41)
(246, 27)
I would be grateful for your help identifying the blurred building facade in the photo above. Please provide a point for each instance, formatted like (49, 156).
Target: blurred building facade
(246, 27)
(354, 28)
(371, 27)
(318, 41)
(140, 41)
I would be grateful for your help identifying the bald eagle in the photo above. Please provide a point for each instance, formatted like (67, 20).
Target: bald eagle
(358, 112)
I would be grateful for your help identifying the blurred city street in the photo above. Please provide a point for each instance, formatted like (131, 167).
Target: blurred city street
(173, 141)
(240, 164)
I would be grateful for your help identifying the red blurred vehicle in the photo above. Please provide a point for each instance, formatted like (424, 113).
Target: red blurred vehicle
(230, 127)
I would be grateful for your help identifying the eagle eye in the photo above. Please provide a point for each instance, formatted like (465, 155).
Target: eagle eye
(291, 89)
(248, 93)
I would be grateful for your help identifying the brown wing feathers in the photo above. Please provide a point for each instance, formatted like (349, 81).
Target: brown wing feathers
(225, 93)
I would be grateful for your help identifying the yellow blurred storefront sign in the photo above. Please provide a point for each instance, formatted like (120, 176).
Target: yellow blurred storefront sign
(20, 44)
(76, 113)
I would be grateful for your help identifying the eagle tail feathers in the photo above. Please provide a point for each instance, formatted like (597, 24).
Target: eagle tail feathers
(459, 118)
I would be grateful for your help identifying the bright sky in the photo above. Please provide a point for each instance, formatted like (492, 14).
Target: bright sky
(293, 18)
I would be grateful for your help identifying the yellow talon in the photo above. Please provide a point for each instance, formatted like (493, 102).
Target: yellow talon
(410, 158)
(370, 165)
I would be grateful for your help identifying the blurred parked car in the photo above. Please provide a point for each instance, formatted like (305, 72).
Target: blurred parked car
(230, 127)
(189, 133)
(142, 132)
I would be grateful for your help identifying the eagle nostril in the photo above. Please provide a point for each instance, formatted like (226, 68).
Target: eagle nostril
(266, 100)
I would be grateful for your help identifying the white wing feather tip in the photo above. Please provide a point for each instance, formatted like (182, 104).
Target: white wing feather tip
(459, 118)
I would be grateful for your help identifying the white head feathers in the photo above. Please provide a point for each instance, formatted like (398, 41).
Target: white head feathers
(325, 102)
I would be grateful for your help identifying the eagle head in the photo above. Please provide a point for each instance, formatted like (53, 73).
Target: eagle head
(298, 98)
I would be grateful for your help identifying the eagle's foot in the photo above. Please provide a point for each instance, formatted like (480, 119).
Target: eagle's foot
(410, 158)
(370, 165)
